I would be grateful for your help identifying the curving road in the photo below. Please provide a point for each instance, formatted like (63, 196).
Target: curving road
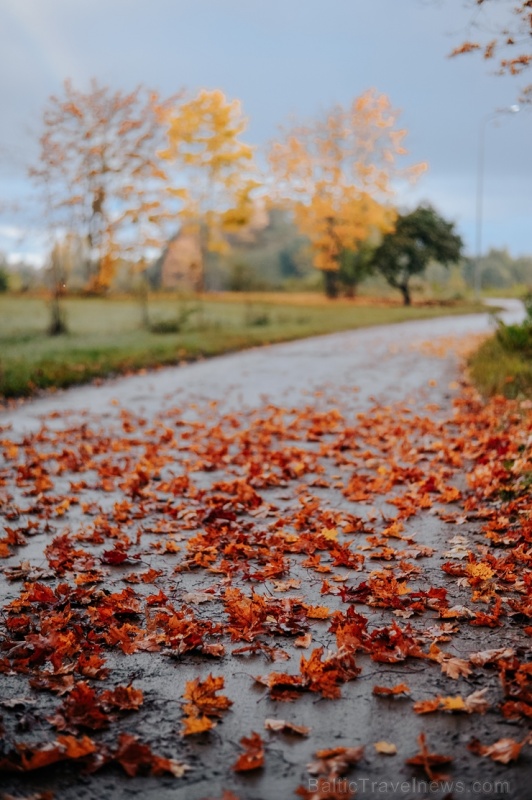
(385, 363)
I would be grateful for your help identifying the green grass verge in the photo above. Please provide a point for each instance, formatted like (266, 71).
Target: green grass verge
(502, 367)
(105, 335)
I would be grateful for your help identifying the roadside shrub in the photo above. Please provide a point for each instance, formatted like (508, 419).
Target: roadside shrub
(4, 279)
(518, 338)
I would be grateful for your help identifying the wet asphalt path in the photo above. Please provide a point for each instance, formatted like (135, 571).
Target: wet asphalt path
(384, 364)
(416, 364)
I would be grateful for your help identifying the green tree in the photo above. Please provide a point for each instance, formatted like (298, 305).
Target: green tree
(337, 175)
(419, 237)
(4, 274)
(357, 265)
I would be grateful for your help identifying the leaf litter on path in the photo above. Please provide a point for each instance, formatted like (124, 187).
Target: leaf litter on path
(206, 543)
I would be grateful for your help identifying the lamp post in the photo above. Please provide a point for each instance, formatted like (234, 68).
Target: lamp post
(514, 109)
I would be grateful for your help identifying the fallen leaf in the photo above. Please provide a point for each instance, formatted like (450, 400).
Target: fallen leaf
(197, 724)
(428, 760)
(385, 691)
(253, 755)
(386, 748)
(202, 702)
(195, 598)
(503, 750)
(484, 657)
(282, 726)
(335, 761)
(125, 698)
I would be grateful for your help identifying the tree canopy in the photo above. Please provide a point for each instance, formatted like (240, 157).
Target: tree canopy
(216, 168)
(99, 172)
(336, 173)
(419, 237)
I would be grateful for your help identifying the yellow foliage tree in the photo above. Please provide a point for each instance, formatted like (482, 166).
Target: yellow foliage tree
(216, 170)
(337, 174)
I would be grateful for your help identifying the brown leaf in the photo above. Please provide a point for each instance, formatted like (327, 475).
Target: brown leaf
(455, 667)
(253, 755)
(451, 666)
(33, 796)
(81, 708)
(125, 698)
(385, 691)
(203, 702)
(136, 758)
(29, 758)
(202, 695)
(427, 760)
(335, 761)
(476, 701)
(426, 706)
(484, 657)
(281, 725)
(503, 750)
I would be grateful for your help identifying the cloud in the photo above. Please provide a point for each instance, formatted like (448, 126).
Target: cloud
(281, 57)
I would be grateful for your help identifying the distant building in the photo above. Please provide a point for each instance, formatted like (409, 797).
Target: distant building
(181, 263)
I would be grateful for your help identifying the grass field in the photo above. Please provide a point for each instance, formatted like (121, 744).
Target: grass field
(504, 367)
(106, 336)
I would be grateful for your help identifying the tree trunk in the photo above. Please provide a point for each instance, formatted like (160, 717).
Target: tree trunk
(351, 290)
(57, 322)
(144, 305)
(405, 291)
(331, 283)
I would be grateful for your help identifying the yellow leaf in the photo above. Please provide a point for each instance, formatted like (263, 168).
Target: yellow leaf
(385, 748)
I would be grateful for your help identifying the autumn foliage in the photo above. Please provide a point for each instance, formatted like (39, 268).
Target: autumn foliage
(100, 176)
(215, 169)
(501, 38)
(120, 173)
(337, 174)
(201, 543)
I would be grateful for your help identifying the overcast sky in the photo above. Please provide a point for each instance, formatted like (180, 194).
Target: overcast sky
(281, 58)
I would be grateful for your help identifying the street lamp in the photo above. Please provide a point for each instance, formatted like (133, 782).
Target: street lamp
(514, 109)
